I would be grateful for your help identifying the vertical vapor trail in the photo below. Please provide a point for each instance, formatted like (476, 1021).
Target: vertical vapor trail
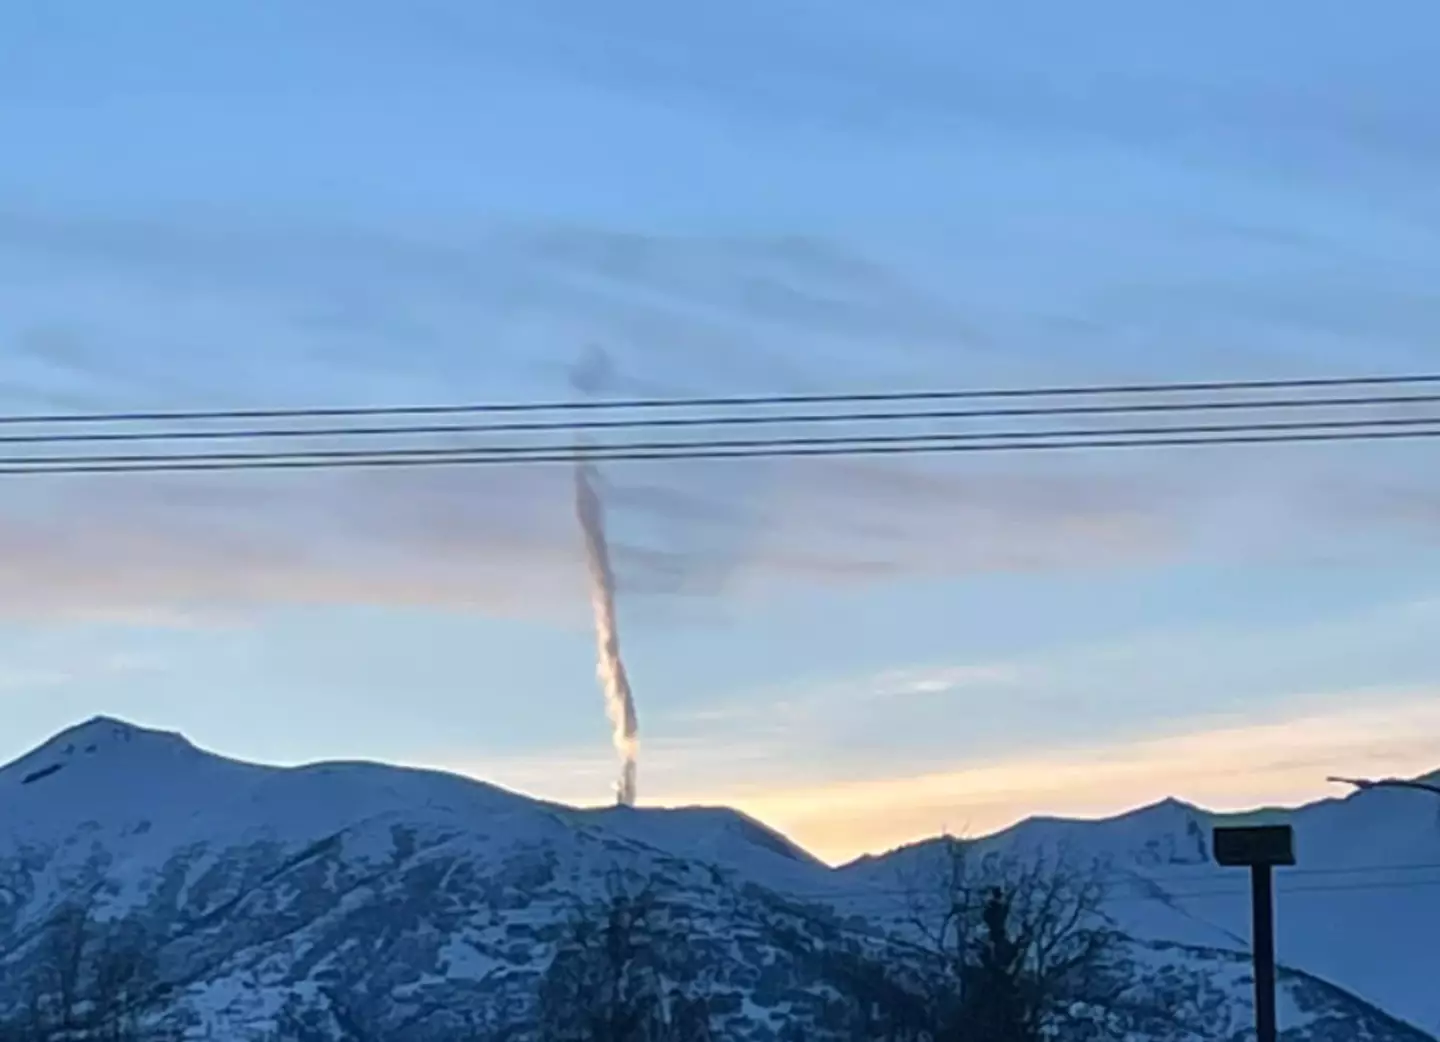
(619, 702)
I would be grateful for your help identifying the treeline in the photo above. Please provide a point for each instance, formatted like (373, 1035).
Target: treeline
(998, 951)
(85, 980)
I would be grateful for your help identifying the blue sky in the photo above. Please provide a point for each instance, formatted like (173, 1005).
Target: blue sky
(264, 203)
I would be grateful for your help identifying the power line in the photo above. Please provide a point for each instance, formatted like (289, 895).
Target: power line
(1127, 878)
(761, 449)
(722, 401)
(1326, 888)
(1116, 887)
(742, 420)
(804, 906)
(527, 453)
(1281, 890)
(1294, 873)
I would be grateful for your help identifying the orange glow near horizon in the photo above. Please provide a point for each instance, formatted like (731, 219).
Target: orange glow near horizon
(1221, 767)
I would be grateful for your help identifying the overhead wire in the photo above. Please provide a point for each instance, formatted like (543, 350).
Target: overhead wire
(910, 431)
(1115, 889)
(1156, 887)
(804, 906)
(912, 445)
(742, 420)
(717, 401)
(1283, 872)
(940, 438)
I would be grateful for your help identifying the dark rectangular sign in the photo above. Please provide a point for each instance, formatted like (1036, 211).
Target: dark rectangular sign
(1255, 845)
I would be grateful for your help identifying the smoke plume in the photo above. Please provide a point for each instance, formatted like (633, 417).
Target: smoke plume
(619, 702)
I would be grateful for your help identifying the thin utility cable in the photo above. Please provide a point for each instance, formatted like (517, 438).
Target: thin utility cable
(1131, 877)
(404, 459)
(814, 909)
(820, 908)
(720, 401)
(1160, 887)
(1116, 891)
(1282, 891)
(522, 453)
(1284, 873)
(743, 420)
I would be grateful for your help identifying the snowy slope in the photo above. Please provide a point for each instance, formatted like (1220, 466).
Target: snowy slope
(142, 795)
(258, 883)
(1360, 909)
(720, 836)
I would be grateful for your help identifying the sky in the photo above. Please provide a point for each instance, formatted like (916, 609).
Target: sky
(364, 203)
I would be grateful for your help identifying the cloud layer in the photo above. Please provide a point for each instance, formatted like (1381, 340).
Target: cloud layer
(270, 315)
(1217, 763)
(884, 199)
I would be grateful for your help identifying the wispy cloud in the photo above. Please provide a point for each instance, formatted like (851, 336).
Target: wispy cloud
(1168, 83)
(812, 706)
(265, 315)
(41, 663)
(27, 680)
(501, 540)
(1224, 765)
(268, 313)
(946, 680)
(418, 308)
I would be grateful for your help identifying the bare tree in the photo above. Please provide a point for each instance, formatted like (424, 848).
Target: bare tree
(61, 970)
(88, 981)
(301, 1021)
(619, 975)
(998, 949)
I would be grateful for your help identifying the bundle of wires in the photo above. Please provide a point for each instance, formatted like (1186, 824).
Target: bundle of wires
(878, 423)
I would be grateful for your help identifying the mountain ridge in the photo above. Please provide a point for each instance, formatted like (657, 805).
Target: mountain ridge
(92, 734)
(177, 835)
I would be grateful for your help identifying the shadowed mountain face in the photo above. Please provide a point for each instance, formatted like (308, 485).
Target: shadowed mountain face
(429, 901)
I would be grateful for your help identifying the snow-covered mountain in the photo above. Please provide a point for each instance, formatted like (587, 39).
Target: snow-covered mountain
(257, 887)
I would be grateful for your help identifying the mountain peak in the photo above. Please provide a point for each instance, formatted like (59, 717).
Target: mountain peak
(108, 732)
(100, 739)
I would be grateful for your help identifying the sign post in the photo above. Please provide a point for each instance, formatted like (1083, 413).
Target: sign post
(1260, 848)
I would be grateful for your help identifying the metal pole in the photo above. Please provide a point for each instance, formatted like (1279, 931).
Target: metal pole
(1262, 940)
